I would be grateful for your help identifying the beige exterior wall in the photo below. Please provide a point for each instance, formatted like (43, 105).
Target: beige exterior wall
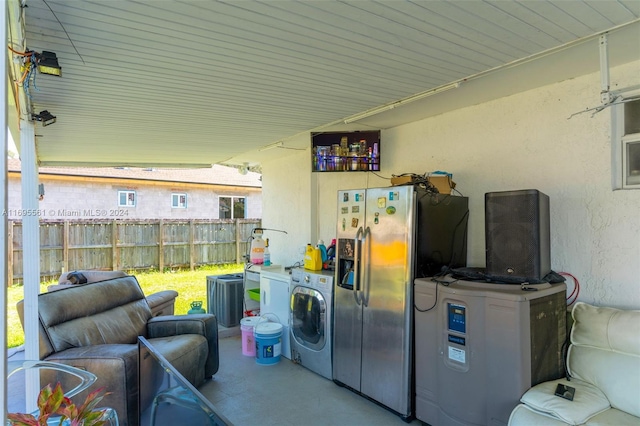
(94, 198)
(522, 141)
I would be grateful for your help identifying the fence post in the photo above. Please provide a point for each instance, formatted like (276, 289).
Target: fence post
(191, 244)
(10, 249)
(161, 245)
(65, 247)
(114, 246)
(238, 242)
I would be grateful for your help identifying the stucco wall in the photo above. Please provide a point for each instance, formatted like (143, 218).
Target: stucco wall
(99, 200)
(287, 206)
(517, 142)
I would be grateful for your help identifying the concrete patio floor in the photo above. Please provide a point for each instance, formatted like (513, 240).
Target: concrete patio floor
(248, 393)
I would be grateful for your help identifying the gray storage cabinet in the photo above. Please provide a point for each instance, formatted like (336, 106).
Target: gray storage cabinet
(225, 298)
(480, 346)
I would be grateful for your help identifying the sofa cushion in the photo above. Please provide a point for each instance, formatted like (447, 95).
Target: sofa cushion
(606, 328)
(186, 352)
(104, 312)
(587, 401)
(613, 417)
(527, 416)
(611, 373)
(162, 302)
(116, 367)
(603, 352)
(201, 324)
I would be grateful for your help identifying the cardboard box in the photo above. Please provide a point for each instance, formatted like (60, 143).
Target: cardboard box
(444, 183)
(401, 180)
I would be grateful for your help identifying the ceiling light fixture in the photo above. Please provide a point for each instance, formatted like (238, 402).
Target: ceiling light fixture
(48, 63)
(271, 146)
(45, 117)
(401, 102)
(244, 169)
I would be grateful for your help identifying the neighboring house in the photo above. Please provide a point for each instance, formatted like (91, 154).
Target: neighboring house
(75, 193)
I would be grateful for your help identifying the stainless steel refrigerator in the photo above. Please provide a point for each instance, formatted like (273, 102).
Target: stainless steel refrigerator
(380, 233)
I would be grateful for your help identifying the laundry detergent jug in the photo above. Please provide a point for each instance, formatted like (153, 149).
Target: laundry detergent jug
(323, 250)
(313, 258)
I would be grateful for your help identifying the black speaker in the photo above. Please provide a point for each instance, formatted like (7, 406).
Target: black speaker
(517, 235)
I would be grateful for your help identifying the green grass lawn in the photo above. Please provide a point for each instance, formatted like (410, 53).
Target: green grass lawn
(190, 285)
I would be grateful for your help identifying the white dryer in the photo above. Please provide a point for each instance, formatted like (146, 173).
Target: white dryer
(311, 320)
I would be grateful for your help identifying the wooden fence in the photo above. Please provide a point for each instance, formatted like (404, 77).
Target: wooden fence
(131, 245)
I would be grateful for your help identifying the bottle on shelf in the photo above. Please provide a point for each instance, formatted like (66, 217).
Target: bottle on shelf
(312, 258)
(331, 250)
(267, 254)
(323, 250)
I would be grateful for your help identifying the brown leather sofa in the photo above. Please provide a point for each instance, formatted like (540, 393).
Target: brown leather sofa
(96, 327)
(161, 303)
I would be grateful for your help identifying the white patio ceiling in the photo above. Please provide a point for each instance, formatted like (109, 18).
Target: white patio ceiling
(200, 82)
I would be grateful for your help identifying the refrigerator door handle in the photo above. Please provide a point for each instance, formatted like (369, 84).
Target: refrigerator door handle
(356, 266)
(364, 254)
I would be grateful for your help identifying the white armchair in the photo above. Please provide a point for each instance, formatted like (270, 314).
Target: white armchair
(604, 366)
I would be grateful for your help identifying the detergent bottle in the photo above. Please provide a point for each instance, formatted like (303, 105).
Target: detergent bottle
(256, 256)
(323, 250)
(312, 258)
(331, 250)
(267, 254)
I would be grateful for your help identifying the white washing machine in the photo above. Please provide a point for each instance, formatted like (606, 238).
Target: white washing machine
(311, 320)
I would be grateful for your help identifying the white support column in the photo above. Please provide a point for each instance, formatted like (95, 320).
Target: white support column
(31, 253)
(3, 218)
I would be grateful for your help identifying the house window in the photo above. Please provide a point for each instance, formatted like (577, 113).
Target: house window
(625, 138)
(179, 201)
(232, 207)
(127, 198)
(631, 163)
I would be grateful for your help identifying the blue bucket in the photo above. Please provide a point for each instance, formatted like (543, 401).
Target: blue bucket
(268, 336)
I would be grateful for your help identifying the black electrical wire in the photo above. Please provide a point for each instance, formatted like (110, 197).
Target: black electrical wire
(65, 31)
(435, 302)
(421, 181)
(380, 176)
(565, 355)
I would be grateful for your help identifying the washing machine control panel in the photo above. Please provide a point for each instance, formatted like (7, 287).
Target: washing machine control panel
(319, 281)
